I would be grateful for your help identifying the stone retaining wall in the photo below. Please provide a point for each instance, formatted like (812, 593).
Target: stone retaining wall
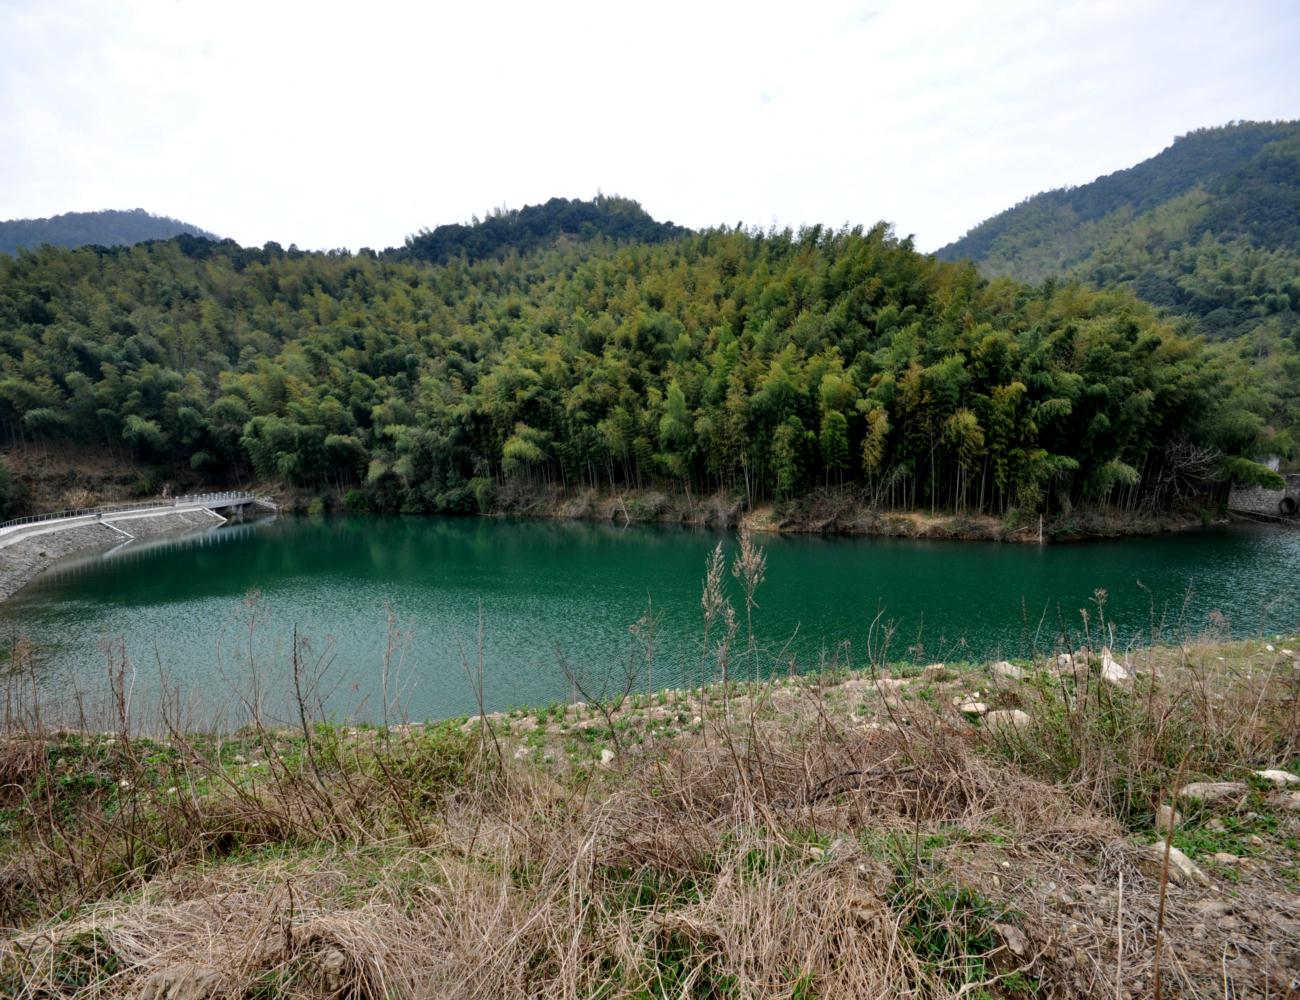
(1258, 500)
(22, 561)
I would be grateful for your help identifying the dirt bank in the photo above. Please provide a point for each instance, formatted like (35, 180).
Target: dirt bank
(839, 512)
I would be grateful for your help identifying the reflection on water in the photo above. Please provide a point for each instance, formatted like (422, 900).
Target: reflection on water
(400, 597)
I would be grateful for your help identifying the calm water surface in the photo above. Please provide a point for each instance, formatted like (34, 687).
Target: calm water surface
(197, 611)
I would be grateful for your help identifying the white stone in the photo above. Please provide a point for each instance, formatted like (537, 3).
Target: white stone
(1004, 670)
(1181, 867)
(1011, 718)
(607, 757)
(1212, 792)
(1281, 779)
(1112, 670)
(972, 707)
(1286, 800)
(934, 672)
(1164, 815)
(1013, 938)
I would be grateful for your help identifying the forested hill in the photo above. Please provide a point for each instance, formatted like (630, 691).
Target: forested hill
(765, 364)
(1209, 228)
(534, 226)
(107, 228)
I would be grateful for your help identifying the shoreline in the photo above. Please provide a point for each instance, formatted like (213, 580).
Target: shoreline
(22, 561)
(828, 515)
(845, 514)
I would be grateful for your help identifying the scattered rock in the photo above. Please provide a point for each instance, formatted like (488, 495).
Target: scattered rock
(1255, 840)
(1214, 792)
(934, 673)
(1004, 670)
(332, 967)
(1221, 858)
(1008, 718)
(607, 757)
(1013, 938)
(1065, 663)
(183, 982)
(1286, 800)
(1112, 671)
(1212, 909)
(969, 707)
(1167, 816)
(1279, 778)
(1181, 868)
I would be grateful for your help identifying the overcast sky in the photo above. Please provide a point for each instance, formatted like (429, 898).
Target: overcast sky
(354, 124)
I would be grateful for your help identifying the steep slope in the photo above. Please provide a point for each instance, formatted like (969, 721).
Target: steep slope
(1235, 182)
(107, 228)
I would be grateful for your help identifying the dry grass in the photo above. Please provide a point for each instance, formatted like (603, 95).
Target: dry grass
(837, 835)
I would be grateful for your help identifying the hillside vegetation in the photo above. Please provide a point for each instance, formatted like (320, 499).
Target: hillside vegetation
(1209, 228)
(536, 226)
(763, 364)
(107, 228)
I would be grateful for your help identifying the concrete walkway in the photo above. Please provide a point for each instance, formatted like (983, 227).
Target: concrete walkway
(30, 546)
(120, 521)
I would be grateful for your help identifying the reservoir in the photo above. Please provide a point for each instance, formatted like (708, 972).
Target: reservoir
(389, 611)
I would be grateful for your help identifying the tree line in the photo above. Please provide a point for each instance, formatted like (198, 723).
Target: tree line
(766, 364)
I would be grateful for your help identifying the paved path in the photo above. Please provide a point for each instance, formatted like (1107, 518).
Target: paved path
(28, 546)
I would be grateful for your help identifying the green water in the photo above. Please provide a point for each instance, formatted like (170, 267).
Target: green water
(206, 612)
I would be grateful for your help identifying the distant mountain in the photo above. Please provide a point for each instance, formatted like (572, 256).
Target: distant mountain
(108, 228)
(534, 226)
(1210, 228)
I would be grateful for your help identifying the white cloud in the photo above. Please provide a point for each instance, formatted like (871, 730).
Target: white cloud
(334, 124)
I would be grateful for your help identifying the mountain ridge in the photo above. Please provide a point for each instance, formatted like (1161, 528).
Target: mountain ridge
(108, 227)
(1208, 228)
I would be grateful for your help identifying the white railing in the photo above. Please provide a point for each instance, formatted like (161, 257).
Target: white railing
(193, 500)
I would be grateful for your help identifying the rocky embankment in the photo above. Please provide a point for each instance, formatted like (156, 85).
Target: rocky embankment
(23, 560)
